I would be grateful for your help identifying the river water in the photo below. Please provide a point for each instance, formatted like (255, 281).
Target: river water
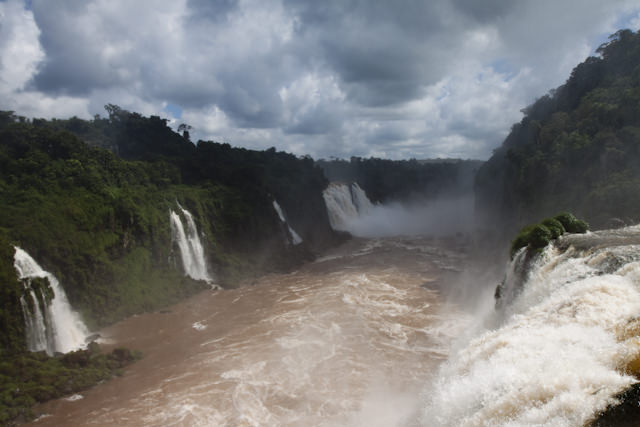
(350, 339)
(377, 333)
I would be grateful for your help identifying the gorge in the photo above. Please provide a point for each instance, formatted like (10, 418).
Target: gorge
(265, 288)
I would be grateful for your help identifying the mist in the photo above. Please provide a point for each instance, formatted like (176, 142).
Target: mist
(437, 217)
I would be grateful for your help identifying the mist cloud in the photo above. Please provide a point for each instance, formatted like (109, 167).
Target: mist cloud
(437, 217)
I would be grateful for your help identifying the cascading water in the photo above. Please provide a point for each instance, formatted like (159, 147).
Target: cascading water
(345, 204)
(566, 344)
(51, 327)
(296, 239)
(191, 249)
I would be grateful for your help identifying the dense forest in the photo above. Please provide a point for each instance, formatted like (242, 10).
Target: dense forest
(100, 221)
(576, 149)
(404, 180)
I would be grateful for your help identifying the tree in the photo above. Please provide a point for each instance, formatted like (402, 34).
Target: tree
(184, 129)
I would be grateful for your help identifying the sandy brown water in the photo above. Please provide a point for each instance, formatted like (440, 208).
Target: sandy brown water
(350, 339)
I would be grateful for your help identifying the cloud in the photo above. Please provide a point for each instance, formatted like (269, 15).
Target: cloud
(21, 52)
(332, 78)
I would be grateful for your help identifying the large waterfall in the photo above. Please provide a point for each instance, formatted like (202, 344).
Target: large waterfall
(51, 324)
(188, 241)
(296, 239)
(345, 204)
(564, 343)
(349, 209)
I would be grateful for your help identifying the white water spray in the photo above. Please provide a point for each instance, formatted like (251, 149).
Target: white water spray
(345, 204)
(350, 210)
(54, 327)
(296, 239)
(562, 350)
(191, 249)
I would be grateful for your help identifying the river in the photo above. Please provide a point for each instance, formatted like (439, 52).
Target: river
(350, 339)
(381, 332)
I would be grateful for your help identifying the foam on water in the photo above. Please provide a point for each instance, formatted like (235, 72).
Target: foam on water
(557, 358)
(325, 349)
(199, 326)
(348, 342)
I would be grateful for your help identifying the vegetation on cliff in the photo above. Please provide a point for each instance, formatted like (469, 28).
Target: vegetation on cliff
(576, 149)
(100, 222)
(90, 201)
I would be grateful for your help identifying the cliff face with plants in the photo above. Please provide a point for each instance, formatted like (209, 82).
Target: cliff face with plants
(91, 202)
(576, 149)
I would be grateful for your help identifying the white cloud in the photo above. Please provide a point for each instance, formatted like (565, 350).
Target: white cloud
(20, 51)
(333, 78)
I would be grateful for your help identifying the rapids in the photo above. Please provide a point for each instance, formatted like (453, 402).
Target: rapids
(350, 339)
(371, 335)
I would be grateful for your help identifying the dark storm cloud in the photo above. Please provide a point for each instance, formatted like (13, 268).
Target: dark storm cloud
(71, 66)
(211, 11)
(485, 11)
(381, 51)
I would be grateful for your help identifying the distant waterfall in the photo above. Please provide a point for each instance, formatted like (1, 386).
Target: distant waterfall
(51, 327)
(295, 236)
(345, 203)
(191, 250)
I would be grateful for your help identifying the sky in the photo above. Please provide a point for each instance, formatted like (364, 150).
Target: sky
(395, 79)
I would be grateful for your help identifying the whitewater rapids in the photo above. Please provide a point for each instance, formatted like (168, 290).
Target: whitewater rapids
(365, 337)
(350, 339)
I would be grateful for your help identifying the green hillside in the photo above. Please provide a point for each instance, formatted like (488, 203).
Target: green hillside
(576, 149)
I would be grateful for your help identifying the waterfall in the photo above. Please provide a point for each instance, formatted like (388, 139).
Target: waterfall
(345, 204)
(296, 239)
(191, 249)
(51, 327)
(566, 344)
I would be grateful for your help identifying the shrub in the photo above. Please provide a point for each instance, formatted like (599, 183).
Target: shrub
(580, 226)
(521, 240)
(572, 224)
(539, 236)
(555, 226)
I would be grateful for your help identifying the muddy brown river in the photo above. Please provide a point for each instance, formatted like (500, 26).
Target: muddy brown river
(350, 339)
